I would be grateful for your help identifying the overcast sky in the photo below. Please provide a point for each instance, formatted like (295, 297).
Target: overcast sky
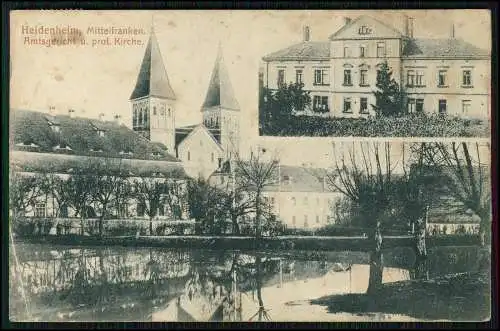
(95, 80)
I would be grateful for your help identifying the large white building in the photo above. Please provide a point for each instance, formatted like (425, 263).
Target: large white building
(445, 76)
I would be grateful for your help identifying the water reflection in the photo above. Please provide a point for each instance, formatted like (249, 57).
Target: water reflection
(122, 284)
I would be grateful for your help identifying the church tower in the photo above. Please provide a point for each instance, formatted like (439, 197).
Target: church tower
(221, 111)
(153, 99)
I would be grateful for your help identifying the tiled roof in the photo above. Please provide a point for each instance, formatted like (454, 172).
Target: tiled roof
(153, 79)
(308, 50)
(32, 127)
(445, 48)
(220, 91)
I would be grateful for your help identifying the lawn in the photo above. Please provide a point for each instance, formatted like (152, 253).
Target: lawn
(458, 297)
(407, 126)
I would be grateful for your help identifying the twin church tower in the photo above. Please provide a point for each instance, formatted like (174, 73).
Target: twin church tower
(202, 147)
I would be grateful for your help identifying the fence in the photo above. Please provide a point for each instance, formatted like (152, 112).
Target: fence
(33, 226)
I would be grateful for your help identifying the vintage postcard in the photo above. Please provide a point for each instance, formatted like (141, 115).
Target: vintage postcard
(141, 187)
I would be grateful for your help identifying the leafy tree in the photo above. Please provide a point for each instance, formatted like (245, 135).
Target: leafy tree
(24, 190)
(204, 201)
(277, 106)
(389, 97)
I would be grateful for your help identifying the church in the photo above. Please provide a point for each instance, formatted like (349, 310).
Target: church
(202, 147)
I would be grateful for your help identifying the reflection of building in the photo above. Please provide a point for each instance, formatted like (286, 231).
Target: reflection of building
(201, 147)
(438, 75)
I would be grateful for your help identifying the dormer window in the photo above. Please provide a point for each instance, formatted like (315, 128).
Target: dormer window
(286, 180)
(97, 150)
(156, 154)
(100, 133)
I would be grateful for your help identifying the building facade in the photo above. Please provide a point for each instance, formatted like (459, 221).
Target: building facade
(438, 76)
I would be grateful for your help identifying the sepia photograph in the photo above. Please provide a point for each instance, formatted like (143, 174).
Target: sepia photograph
(421, 73)
(141, 188)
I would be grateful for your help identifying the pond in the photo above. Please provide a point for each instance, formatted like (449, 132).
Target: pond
(62, 283)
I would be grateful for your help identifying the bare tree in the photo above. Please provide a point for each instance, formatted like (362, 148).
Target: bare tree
(148, 192)
(253, 177)
(469, 180)
(79, 188)
(175, 197)
(107, 176)
(24, 190)
(367, 181)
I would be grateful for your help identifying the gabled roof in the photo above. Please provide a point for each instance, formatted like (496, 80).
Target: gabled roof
(184, 132)
(220, 91)
(153, 79)
(305, 51)
(445, 48)
(32, 127)
(367, 19)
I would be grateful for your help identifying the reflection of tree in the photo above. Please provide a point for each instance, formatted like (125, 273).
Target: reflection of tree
(261, 312)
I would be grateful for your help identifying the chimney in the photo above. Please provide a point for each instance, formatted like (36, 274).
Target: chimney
(71, 112)
(52, 110)
(406, 26)
(410, 27)
(347, 20)
(118, 119)
(452, 34)
(307, 33)
(101, 117)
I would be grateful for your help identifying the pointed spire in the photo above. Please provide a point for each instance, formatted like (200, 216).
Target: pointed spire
(220, 91)
(153, 79)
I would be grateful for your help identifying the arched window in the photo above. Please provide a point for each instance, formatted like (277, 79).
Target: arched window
(189, 156)
(212, 157)
(134, 117)
(146, 117)
(168, 112)
(154, 110)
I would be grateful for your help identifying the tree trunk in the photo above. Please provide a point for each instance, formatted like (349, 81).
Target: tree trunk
(150, 226)
(257, 216)
(420, 242)
(376, 262)
(236, 227)
(259, 287)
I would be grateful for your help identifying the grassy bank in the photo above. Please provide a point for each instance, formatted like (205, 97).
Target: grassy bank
(458, 297)
(317, 243)
(408, 126)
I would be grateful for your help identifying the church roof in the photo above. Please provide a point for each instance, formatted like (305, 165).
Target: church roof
(446, 48)
(220, 91)
(182, 132)
(153, 79)
(31, 131)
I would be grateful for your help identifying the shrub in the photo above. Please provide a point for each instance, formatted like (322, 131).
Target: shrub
(404, 126)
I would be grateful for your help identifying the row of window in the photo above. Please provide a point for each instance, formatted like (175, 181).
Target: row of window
(306, 220)
(414, 78)
(321, 77)
(141, 118)
(417, 106)
(363, 51)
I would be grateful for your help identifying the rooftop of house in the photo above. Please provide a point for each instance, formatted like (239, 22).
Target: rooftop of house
(304, 51)
(41, 132)
(415, 48)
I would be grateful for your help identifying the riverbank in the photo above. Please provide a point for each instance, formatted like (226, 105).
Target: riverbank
(456, 297)
(317, 243)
